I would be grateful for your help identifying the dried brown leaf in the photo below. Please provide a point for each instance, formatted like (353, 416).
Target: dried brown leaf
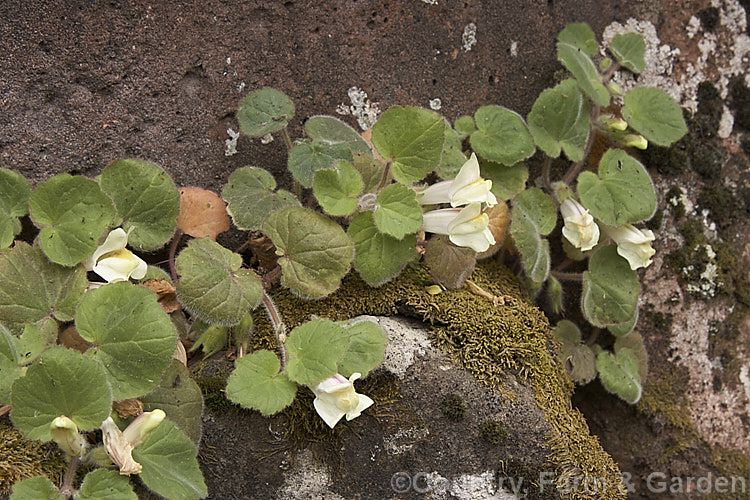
(202, 213)
(165, 292)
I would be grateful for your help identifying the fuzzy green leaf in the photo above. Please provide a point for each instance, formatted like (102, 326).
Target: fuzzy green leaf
(15, 192)
(315, 349)
(559, 120)
(397, 212)
(9, 369)
(65, 382)
(507, 182)
(464, 126)
(502, 136)
(73, 214)
(655, 115)
(581, 36)
(250, 197)
(411, 139)
(378, 258)
(103, 484)
(449, 265)
(212, 286)
(35, 488)
(32, 287)
(170, 466)
(366, 349)
(622, 193)
(452, 158)
(533, 216)
(579, 359)
(629, 50)
(331, 130)
(583, 70)
(619, 374)
(257, 384)
(306, 158)
(180, 398)
(610, 289)
(538, 207)
(337, 190)
(625, 328)
(146, 200)
(371, 171)
(132, 335)
(634, 342)
(314, 252)
(264, 111)
(567, 332)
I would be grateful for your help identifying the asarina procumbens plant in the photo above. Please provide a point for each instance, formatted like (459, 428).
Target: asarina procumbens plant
(419, 187)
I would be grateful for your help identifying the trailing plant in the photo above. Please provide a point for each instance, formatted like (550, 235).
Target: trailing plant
(72, 348)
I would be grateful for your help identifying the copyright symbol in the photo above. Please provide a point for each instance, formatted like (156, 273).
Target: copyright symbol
(401, 482)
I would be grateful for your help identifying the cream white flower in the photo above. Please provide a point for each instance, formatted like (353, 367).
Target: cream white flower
(467, 187)
(120, 444)
(336, 397)
(65, 433)
(580, 229)
(468, 227)
(633, 244)
(113, 262)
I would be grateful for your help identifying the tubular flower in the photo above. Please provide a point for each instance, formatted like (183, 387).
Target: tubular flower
(580, 229)
(113, 262)
(633, 244)
(120, 444)
(336, 397)
(468, 227)
(467, 187)
(65, 433)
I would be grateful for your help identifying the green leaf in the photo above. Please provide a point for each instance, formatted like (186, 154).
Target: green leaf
(367, 343)
(32, 287)
(411, 140)
(538, 207)
(337, 190)
(257, 384)
(35, 488)
(378, 258)
(507, 182)
(583, 70)
(502, 136)
(314, 251)
(306, 158)
(579, 359)
(619, 374)
(132, 335)
(331, 130)
(213, 339)
(103, 484)
(180, 398)
(65, 382)
(73, 214)
(559, 120)
(629, 50)
(652, 113)
(610, 289)
(9, 372)
(250, 197)
(146, 200)
(533, 216)
(464, 126)
(580, 36)
(634, 342)
(170, 467)
(622, 193)
(15, 192)
(35, 339)
(397, 212)
(624, 329)
(212, 286)
(449, 265)
(452, 158)
(371, 171)
(567, 332)
(315, 349)
(264, 111)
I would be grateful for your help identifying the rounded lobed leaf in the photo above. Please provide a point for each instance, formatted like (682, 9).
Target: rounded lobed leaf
(610, 289)
(264, 111)
(559, 120)
(579, 361)
(580, 36)
(624, 329)
(397, 212)
(202, 213)
(583, 70)
(567, 332)
(132, 335)
(257, 384)
(103, 484)
(449, 265)
(464, 126)
(331, 130)
(629, 50)
(371, 171)
(411, 140)
(251, 197)
(73, 214)
(501, 136)
(534, 249)
(622, 193)
(539, 207)
(307, 158)
(619, 374)
(212, 286)
(35, 488)
(378, 258)
(507, 182)
(452, 158)
(65, 382)
(337, 190)
(146, 200)
(315, 349)
(314, 252)
(366, 349)
(655, 115)
(15, 192)
(634, 342)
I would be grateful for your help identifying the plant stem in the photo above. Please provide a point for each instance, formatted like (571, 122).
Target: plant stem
(271, 276)
(593, 336)
(545, 173)
(610, 71)
(287, 140)
(172, 252)
(67, 488)
(564, 264)
(279, 329)
(244, 246)
(386, 176)
(573, 171)
(567, 276)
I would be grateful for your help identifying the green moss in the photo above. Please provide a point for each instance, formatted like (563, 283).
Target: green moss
(656, 222)
(692, 231)
(22, 459)
(662, 397)
(740, 103)
(707, 159)
(213, 389)
(675, 193)
(513, 469)
(662, 322)
(746, 145)
(723, 205)
(731, 464)
(492, 431)
(453, 407)
(669, 161)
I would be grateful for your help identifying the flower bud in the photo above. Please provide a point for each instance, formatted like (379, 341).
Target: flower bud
(65, 433)
(140, 429)
(635, 141)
